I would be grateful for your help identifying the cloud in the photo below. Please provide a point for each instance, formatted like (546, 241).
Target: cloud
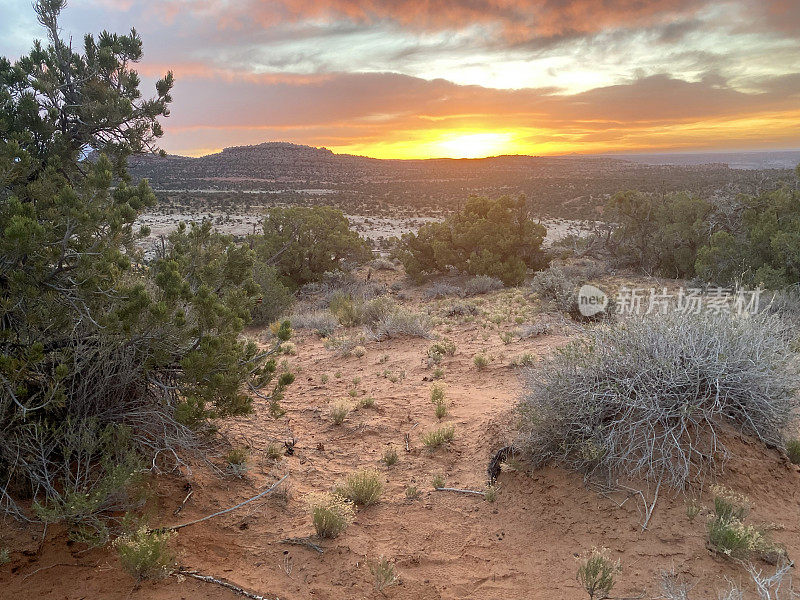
(370, 110)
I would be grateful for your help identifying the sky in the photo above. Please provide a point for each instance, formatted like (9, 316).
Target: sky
(459, 78)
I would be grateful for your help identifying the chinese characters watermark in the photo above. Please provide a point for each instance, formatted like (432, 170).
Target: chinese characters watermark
(715, 300)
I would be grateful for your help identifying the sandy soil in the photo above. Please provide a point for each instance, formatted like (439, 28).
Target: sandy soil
(445, 545)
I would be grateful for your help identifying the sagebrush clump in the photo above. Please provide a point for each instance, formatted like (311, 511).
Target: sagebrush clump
(146, 554)
(438, 437)
(596, 573)
(649, 396)
(330, 513)
(363, 487)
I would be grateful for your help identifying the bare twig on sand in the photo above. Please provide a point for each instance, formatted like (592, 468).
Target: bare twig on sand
(227, 510)
(185, 500)
(447, 489)
(303, 541)
(408, 438)
(235, 588)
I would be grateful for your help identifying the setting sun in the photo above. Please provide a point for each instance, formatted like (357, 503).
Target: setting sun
(473, 145)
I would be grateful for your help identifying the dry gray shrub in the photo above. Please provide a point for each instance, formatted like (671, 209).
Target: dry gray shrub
(482, 284)
(552, 285)
(400, 322)
(323, 322)
(648, 397)
(440, 289)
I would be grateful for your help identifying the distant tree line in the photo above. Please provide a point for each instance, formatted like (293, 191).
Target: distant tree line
(752, 240)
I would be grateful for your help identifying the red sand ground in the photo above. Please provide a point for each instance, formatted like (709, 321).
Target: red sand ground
(445, 545)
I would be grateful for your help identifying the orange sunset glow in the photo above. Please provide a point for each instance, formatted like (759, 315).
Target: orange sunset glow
(412, 79)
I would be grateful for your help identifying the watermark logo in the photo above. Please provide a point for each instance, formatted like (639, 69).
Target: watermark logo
(716, 300)
(591, 300)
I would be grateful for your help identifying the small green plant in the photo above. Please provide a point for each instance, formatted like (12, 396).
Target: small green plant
(274, 451)
(289, 348)
(338, 374)
(525, 359)
(324, 378)
(237, 461)
(693, 509)
(438, 481)
(481, 361)
(359, 351)
(793, 450)
(440, 349)
(438, 373)
(390, 456)
(364, 487)
(330, 513)
(5, 556)
(729, 504)
(507, 337)
(347, 312)
(412, 493)
(437, 397)
(596, 573)
(339, 411)
(730, 536)
(490, 493)
(367, 402)
(438, 437)
(356, 381)
(146, 554)
(353, 393)
(383, 574)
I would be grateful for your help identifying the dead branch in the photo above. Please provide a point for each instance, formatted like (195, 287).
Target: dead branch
(180, 508)
(227, 510)
(447, 489)
(209, 579)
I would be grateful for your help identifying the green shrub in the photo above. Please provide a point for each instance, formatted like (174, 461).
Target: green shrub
(330, 513)
(274, 298)
(412, 493)
(730, 536)
(437, 397)
(383, 574)
(5, 556)
(339, 411)
(390, 456)
(440, 349)
(304, 243)
(490, 493)
(363, 487)
(274, 451)
(236, 461)
(438, 437)
(481, 361)
(496, 238)
(94, 339)
(146, 554)
(438, 481)
(345, 309)
(596, 573)
(759, 249)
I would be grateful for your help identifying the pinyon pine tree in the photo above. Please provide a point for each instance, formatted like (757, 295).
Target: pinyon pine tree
(104, 360)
